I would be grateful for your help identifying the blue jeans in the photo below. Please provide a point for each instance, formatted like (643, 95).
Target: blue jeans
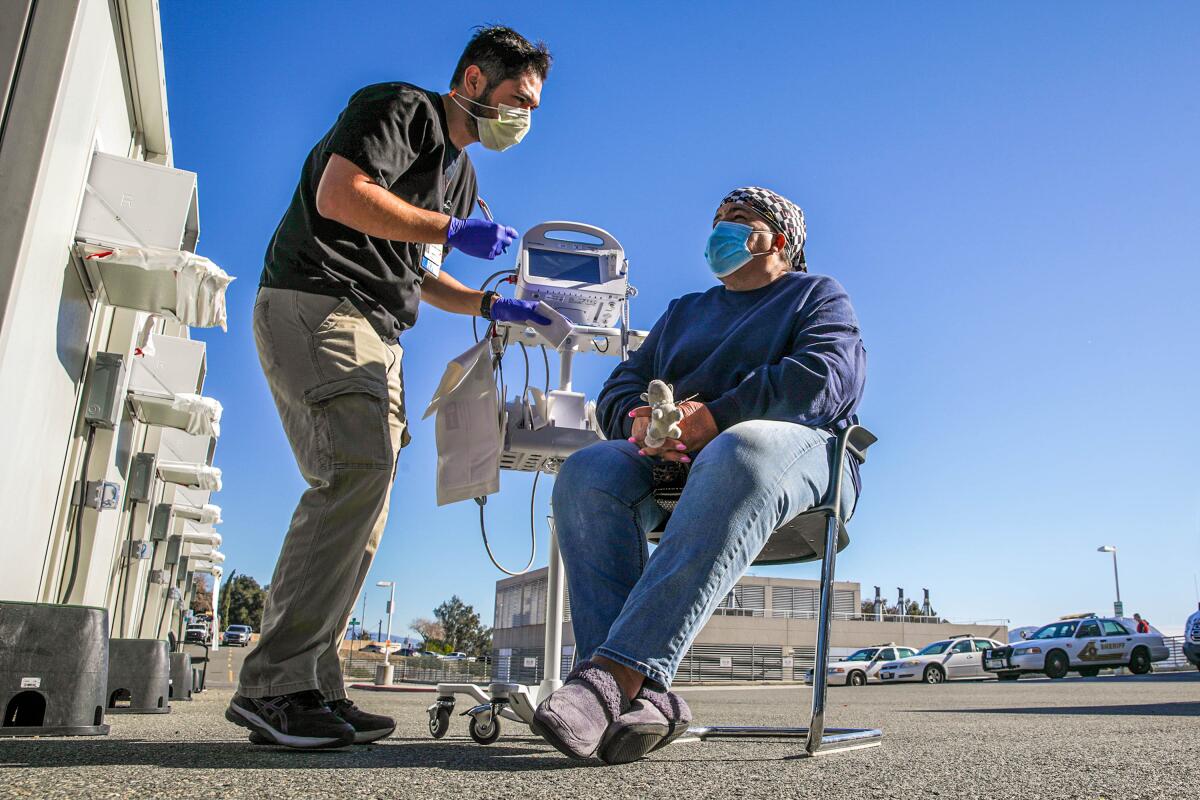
(644, 611)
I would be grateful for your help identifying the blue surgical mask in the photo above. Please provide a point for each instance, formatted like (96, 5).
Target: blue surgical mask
(727, 249)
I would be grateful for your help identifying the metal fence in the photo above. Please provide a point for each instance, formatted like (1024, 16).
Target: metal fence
(357, 665)
(703, 663)
(708, 663)
(855, 616)
(1177, 662)
(716, 663)
(526, 665)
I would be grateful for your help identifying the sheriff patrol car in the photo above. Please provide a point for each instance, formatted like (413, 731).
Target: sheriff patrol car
(957, 657)
(862, 665)
(1082, 643)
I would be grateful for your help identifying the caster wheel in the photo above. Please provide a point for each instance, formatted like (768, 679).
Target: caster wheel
(439, 722)
(484, 732)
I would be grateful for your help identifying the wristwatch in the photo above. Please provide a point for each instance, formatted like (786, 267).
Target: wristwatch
(485, 305)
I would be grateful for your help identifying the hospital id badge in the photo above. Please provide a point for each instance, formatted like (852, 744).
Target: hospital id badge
(431, 259)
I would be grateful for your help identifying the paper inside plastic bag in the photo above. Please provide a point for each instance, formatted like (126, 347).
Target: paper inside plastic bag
(204, 414)
(208, 514)
(199, 476)
(199, 283)
(469, 439)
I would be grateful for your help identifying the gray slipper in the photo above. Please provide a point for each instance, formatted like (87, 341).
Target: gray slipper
(575, 718)
(673, 707)
(654, 720)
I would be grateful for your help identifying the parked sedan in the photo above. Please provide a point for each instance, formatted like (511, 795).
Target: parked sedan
(956, 657)
(1084, 643)
(862, 665)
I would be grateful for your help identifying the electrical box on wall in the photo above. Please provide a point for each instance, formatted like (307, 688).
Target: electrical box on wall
(102, 406)
(174, 544)
(132, 203)
(100, 495)
(160, 526)
(141, 478)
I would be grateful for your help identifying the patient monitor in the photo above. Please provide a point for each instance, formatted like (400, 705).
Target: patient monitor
(578, 269)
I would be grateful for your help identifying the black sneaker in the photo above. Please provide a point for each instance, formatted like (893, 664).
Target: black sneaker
(300, 720)
(367, 727)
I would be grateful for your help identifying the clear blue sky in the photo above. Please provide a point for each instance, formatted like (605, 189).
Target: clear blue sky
(1009, 192)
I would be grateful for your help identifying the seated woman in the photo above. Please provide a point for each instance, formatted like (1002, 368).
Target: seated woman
(773, 362)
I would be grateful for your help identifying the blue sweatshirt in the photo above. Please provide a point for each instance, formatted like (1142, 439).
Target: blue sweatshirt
(790, 351)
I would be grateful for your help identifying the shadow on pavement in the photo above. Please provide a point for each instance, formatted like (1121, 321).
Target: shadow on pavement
(1147, 709)
(1156, 677)
(462, 756)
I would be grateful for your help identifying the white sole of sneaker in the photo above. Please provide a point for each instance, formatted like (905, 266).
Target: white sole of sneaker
(258, 724)
(364, 737)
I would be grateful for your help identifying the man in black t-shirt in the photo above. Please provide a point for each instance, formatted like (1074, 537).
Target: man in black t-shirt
(382, 197)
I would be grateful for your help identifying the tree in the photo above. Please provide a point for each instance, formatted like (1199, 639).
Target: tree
(462, 629)
(201, 596)
(244, 599)
(433, 634)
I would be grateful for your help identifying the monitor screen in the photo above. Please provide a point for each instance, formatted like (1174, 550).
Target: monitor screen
(564, 266)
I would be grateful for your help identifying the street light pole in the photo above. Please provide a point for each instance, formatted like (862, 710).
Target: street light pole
(383, 675)
(1118, 607)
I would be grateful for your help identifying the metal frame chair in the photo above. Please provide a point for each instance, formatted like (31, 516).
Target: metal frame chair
(818, 533)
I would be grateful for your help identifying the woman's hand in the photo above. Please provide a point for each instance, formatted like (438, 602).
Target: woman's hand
(697, 425)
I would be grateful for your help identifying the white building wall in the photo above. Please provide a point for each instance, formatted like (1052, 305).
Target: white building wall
(90, 79)
(48, 321)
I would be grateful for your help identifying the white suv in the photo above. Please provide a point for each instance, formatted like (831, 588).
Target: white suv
(1084, 643)
(862, 665)
(957, 657)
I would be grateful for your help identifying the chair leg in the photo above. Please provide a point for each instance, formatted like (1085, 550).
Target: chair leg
(816, 727)
(817, 738)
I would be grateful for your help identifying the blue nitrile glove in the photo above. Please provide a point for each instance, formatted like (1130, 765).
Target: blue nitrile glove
(505, 310)
(480, 238)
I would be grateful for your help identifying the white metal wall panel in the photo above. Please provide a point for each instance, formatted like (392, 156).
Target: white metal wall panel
(38, 386)
(16, 16)
(789, 601)
(843, 602)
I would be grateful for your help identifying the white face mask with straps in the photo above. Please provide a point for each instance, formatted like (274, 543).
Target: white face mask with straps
(501, 132)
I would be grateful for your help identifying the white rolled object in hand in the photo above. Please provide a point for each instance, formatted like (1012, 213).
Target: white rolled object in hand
(665, 416)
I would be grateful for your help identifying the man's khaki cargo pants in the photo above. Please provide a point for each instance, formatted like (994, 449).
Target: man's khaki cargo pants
(340, 395)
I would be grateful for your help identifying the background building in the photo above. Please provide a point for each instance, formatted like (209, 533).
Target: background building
(765, 629)
(100, 396)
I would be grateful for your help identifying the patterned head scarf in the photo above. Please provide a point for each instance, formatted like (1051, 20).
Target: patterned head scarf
(781, 214)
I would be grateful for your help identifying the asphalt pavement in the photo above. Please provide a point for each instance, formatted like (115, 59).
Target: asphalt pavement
(1112, 737)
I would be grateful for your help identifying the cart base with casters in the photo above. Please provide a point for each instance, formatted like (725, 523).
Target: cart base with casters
(511, 701)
